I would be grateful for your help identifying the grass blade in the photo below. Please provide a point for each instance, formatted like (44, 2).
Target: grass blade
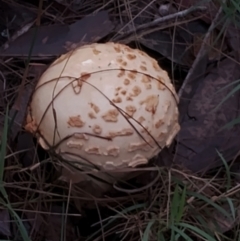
(181, 205)
(181, 232)
(227, 96)
(198, 231)
(210, 202)
(174, 205)
(3, 145)
(232, 208)
(227, 169)
(147, 230)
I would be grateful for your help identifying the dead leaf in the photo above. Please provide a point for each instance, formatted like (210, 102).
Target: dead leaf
(200, 136)
(215, 44)
(52, 40)
(220, 223)
(181, 50)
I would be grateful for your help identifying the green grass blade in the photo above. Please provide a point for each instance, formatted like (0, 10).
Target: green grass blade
(63, 237)
(147, 230)
(182, 203)
(235, 82)
(232, 208)
(174, 205)
(172, 234)
(6, 203)
(210, 202)
(160, 236)
(231, 124)
(182, 233)
(227, 169)
(20, 225)
(3, 145)
(227, 96)
(198, 231)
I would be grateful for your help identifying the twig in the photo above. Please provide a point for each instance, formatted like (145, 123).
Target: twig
(201, 53)
(164, 19)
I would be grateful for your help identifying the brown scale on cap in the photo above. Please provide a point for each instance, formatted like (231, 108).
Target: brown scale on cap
(146, 79)
(162, 135)
(124, 63)
(112, 151)
(126, 81)
(119, 60)
(75, 144)
(111, 116)
(131, 56)
(136, 90)
(92, 115)
(93, 150)
(118, 88)
(139, 146)
(151, 103)
(148, 86)
(129, 98)
(123, 92)
(81, 136)
(96, 52)
(167, 106)
(138, 160)
(84, 76)
(132, 75)
(97, 129)
(131, 109)
(155, 65)
(95, 107)
(141, 119)
(117, 99)
(123, 132)
(161, 84)
(143, 68)
(159, 123)
(76, 121)
(117, 48)
(127, 49)
(121, 74)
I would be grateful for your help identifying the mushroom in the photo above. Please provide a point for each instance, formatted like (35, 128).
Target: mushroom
(104, 105)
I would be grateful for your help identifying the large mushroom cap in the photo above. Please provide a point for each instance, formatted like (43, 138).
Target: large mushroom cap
(106, 104)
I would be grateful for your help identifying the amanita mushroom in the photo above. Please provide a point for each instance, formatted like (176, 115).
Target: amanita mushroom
(105, 104)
